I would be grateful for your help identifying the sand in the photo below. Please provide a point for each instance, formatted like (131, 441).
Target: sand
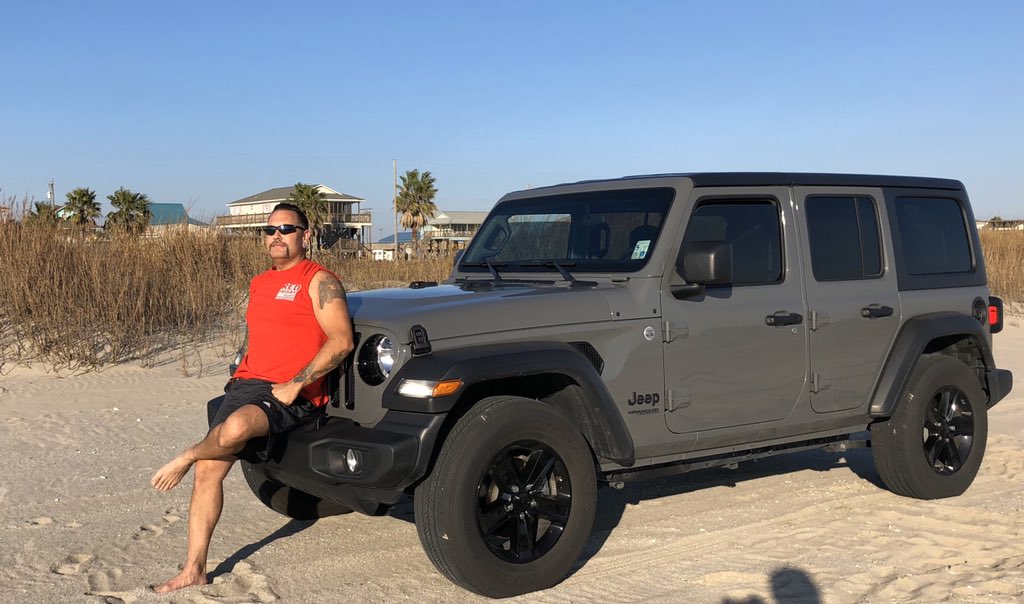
(80, 523)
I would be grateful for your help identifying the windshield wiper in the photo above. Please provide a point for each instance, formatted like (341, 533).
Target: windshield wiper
(561, 268)
(491, 266)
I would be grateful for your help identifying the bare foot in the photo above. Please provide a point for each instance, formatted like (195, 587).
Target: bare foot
(167, 477)
(186, 578)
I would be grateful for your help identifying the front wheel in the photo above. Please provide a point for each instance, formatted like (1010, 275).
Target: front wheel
(287, 500)
(511, 501)
(933, 444)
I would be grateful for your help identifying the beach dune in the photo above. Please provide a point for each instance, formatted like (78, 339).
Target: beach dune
(79, 521)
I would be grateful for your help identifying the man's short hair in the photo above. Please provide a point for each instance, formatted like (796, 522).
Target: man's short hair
(291, 207)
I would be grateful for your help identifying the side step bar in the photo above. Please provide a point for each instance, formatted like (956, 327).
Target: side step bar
(834, 444)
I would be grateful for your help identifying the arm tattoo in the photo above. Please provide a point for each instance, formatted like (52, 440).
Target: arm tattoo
(330, 290)
(304, 375)
(308, 374)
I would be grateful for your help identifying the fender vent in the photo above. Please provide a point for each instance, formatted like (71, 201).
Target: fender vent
(591, 353)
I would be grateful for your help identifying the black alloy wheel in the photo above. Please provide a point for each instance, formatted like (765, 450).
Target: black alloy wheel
(524, 501)
(509, 504)
(948, 430)
(933, 444)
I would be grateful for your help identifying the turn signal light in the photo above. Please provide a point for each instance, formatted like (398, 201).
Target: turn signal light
(428, 388)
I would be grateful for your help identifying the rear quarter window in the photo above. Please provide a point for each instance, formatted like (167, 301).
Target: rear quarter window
(935, 236)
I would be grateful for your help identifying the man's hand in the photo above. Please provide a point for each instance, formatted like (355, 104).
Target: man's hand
(286, 392)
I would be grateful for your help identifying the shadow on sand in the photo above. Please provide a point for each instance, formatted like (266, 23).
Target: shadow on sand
(789, 586)
(290, 528)
(612, 503)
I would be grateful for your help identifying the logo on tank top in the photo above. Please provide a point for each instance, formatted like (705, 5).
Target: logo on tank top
(288, 292)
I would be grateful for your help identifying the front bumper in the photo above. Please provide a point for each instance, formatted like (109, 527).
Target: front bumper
(392, 455)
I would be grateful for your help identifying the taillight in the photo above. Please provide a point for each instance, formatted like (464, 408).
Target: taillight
(995, 314)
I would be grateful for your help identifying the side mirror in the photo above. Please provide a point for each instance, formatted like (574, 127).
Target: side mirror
(701, 264)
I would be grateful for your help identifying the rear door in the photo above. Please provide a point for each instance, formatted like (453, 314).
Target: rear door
(726, 363)
(852, 296)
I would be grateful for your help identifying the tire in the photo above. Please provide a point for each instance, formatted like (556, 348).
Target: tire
(511, 501)
(286, 500)
(933, 444)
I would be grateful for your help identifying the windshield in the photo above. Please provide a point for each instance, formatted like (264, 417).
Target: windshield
(605, 231)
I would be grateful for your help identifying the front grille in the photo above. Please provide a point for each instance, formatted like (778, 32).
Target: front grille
(350, 375)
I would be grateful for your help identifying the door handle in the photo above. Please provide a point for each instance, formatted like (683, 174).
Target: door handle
(876, 311)
(783, 318)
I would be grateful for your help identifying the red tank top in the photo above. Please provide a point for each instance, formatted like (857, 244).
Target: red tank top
(284, 334)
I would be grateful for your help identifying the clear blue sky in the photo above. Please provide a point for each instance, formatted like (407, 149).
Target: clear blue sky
(207, 102)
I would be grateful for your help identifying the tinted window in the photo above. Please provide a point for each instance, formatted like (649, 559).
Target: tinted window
(934, 236)
(752, 227)
(843, 236)
(603, 231)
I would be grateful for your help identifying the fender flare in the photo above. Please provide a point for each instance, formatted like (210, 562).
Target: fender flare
(601, 422)
(910, 345)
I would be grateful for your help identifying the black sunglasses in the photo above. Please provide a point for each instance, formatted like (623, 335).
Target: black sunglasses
(286, 229)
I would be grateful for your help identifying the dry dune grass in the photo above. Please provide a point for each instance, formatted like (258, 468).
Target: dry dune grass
(1004, 263)
(77, 302)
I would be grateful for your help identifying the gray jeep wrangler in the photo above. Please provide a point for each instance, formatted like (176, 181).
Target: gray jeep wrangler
(605, 331)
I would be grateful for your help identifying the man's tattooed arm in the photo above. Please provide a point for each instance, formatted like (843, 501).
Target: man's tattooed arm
(331, 309)
(330, 290)
(309, 375)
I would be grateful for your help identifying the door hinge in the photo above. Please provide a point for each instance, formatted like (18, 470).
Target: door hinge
(675, 330)
(819, 383)
(818, 320)
(676, 400)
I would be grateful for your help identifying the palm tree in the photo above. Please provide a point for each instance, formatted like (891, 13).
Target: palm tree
(44, 214)
(416, 202)
(83, 207)
(313, 202)
(131, 213)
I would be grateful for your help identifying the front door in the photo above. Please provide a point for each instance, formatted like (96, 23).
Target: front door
(737, 355)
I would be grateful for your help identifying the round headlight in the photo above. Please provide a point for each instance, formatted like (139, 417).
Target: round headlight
(376, 359)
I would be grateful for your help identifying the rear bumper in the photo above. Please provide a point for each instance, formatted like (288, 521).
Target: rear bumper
(392, 455)
(1000, 383)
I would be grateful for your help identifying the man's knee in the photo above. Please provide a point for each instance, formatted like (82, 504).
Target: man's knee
(246, 423)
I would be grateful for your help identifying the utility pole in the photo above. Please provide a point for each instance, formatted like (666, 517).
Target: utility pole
(394, 165)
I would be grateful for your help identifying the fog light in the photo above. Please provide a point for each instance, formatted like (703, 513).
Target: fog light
(353, 461)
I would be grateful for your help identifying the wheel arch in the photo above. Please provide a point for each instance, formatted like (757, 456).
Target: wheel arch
(555, 373)
(951, 334)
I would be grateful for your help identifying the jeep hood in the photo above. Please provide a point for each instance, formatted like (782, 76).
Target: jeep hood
(448, 311)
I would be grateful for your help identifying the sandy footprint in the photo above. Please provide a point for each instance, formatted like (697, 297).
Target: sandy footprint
(147, 531)
(242, 584)
(72, 565)
(104, 581)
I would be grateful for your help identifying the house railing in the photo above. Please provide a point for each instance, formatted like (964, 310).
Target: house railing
(447, 233)
(255, 220)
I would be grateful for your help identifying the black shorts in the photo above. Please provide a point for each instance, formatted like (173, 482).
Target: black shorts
(281, 417)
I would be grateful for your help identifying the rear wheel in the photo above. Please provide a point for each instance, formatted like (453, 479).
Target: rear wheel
(511, 500)
(933, 444)
(287, 500)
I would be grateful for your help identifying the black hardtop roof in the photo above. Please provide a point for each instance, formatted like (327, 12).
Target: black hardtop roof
(807, 179)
